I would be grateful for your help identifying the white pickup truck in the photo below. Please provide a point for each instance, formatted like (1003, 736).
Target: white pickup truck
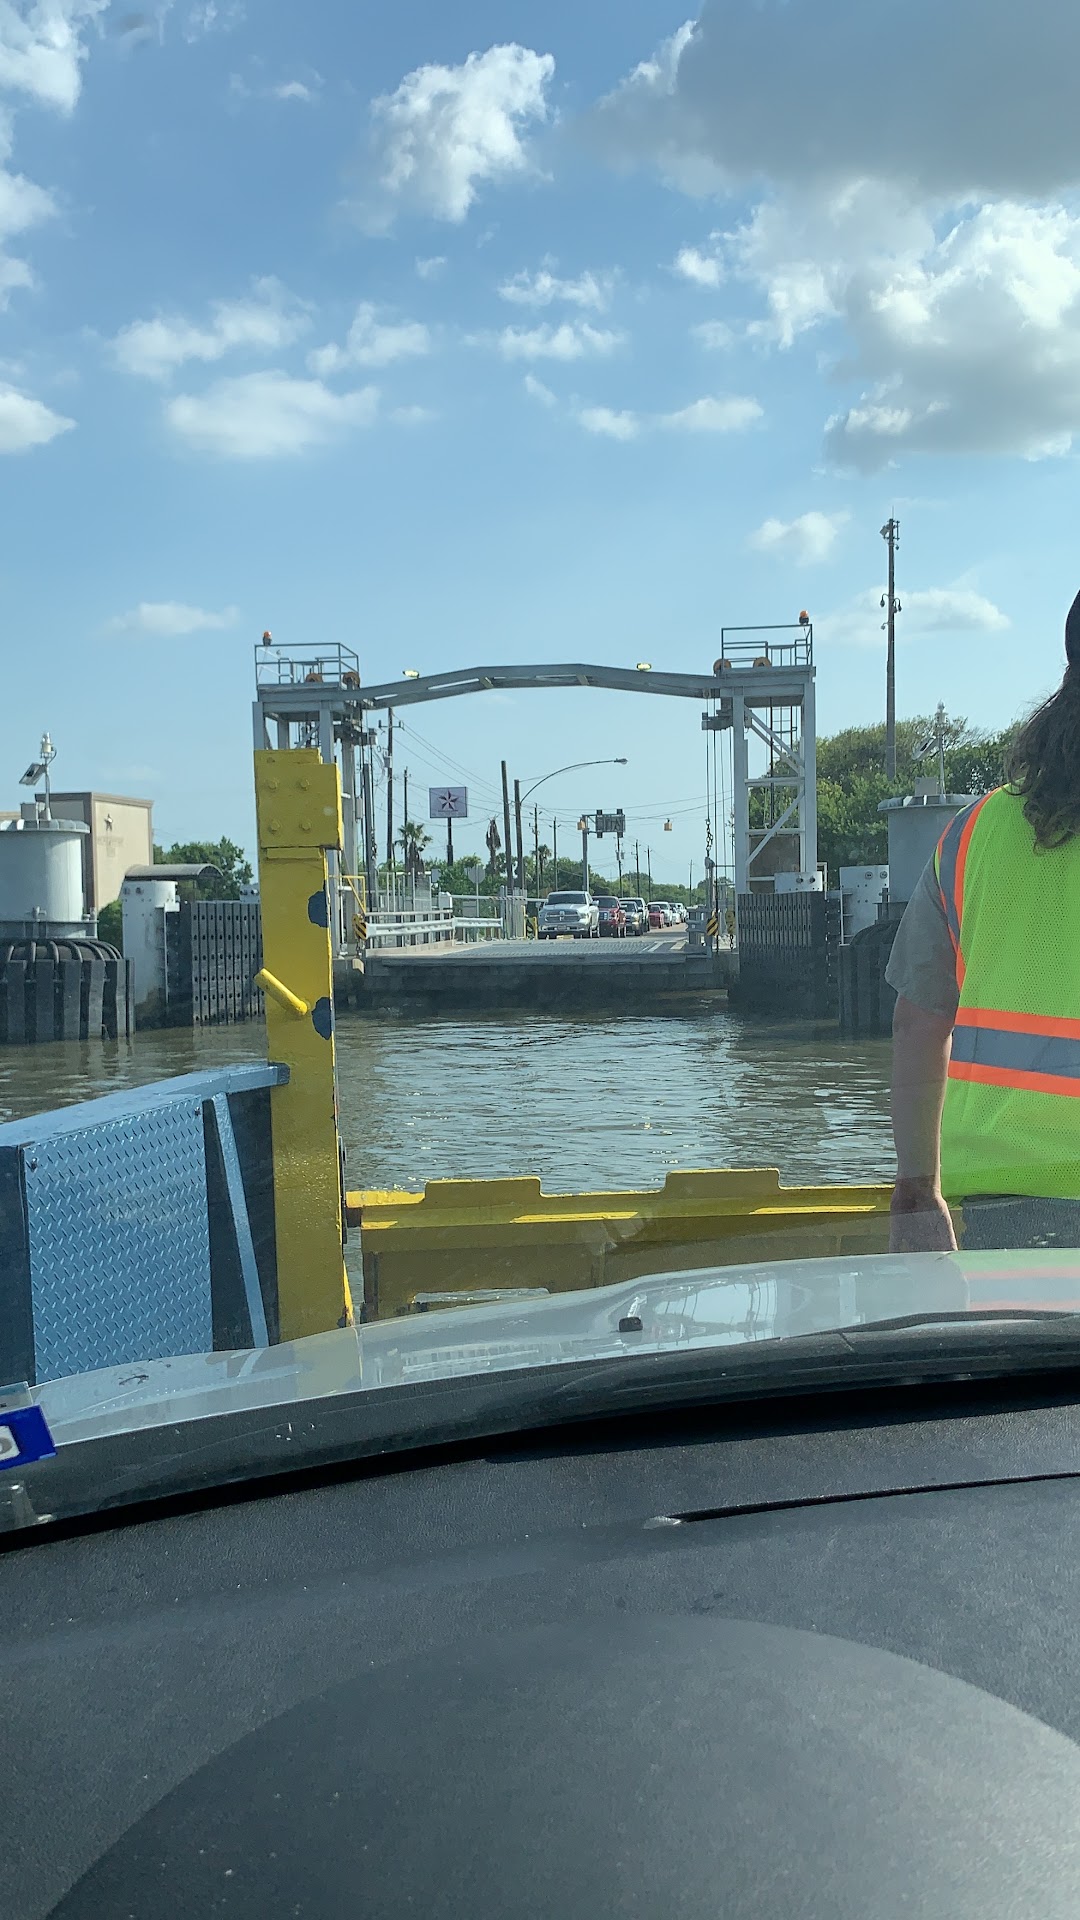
(573, 913)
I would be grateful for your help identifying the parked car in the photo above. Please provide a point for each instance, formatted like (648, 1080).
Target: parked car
(573, 913)
(637, 916)
(612, 917)
(657, 915)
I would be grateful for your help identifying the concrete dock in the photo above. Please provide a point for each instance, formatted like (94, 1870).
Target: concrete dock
(548, 974)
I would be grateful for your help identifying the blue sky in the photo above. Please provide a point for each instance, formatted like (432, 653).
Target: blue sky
(492, 334)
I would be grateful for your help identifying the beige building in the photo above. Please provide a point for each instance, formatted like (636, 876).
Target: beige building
(121, 836)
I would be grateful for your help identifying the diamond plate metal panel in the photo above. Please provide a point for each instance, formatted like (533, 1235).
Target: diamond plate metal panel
(120, 1241)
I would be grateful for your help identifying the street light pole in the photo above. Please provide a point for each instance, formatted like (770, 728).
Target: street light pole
(583, 823)
(890, 533)
(520, 848)
(575, 767)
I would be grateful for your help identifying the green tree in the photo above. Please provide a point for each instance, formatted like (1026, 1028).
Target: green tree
(110, 924)
(414, 839)
(852, 782)
(233, 865)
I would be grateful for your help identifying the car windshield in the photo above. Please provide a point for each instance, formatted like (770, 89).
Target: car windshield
(460, 468)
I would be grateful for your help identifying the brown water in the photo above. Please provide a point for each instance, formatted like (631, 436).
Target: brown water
(585, 1102)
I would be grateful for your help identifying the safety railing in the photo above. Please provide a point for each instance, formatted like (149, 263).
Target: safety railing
(305, 662)
(407, 928)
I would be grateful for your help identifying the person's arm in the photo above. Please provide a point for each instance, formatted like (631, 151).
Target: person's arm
(920, 1222)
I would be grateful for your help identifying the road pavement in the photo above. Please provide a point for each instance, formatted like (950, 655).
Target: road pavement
(658, 946)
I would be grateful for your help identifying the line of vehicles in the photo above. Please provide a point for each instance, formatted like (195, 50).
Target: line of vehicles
(598, 916)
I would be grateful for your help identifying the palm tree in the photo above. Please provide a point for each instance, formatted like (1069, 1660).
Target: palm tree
(414, 839)
(543, 855)
(493, 842)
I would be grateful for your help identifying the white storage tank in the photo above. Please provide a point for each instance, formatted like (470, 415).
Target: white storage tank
(915, 827)
(41, 877)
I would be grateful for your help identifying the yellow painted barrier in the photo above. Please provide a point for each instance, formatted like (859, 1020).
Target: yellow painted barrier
(463, 1236)
(298, 813)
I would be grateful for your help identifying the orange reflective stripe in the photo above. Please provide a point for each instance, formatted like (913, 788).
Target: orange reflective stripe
(1014, 1077)
(958, 885)
(949, 863)
(1045, 1025)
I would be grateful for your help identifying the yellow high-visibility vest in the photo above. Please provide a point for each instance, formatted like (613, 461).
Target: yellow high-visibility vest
(1011, 1122)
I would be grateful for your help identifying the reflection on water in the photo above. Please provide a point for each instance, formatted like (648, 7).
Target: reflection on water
(585, 1102)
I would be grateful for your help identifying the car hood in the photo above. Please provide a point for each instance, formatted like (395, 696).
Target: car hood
(714, 1307)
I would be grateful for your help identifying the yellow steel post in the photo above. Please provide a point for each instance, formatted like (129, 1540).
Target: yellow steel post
(298, 813)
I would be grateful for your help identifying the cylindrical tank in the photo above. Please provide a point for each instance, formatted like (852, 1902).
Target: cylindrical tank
(41, 878)
(915, 827)
(147, 906)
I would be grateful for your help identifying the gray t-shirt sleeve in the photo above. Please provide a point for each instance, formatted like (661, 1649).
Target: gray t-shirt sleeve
(922, 965)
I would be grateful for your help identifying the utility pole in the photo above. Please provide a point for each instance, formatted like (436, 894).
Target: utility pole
(520, 847)
(583, 823)
(890, 533)
(648, 865)
(637, 869)
(508, 845)
(390, 860)
(555, 855)
(371, 856)
(618, 856)
(536, 848)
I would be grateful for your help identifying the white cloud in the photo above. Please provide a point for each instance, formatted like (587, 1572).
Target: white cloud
(271, 319)
(411, 416)
(952, 610)
(808, 539)
(447, 131)
(169, 619)
(263, 415)
(930, 233)
(542, 289)
(212, 16)
(295, 90)
(701, 269)
(929, 610)
(570, 341)
(536, 390)
(606, 420)
(972, 347)
(713, 335)
(372, 342)
(988, 107)
(42, 50)
(25, 422)
(431, 268)
(22, 205)
(713, 415)
(708, 415)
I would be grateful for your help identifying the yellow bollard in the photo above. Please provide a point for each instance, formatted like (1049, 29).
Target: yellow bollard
(298, 812)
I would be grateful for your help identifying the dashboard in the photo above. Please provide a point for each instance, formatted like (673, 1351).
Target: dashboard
(814, 1658)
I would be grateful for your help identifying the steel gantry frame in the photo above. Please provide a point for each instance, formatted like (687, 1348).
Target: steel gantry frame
(313, 696)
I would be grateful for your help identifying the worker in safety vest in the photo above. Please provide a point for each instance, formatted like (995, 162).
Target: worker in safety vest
(986, 1034)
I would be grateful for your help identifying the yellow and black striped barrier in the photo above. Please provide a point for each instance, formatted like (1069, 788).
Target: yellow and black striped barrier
(713, 927)
(359, 926)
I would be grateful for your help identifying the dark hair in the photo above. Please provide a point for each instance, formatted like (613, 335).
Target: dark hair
(1043, 765)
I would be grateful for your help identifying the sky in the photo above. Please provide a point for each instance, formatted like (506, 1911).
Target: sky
(479, 335)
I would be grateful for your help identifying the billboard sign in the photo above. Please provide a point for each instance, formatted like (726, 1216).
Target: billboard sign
(448, 803)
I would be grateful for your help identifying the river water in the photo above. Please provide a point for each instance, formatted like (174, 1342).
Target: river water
(585, 1102)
